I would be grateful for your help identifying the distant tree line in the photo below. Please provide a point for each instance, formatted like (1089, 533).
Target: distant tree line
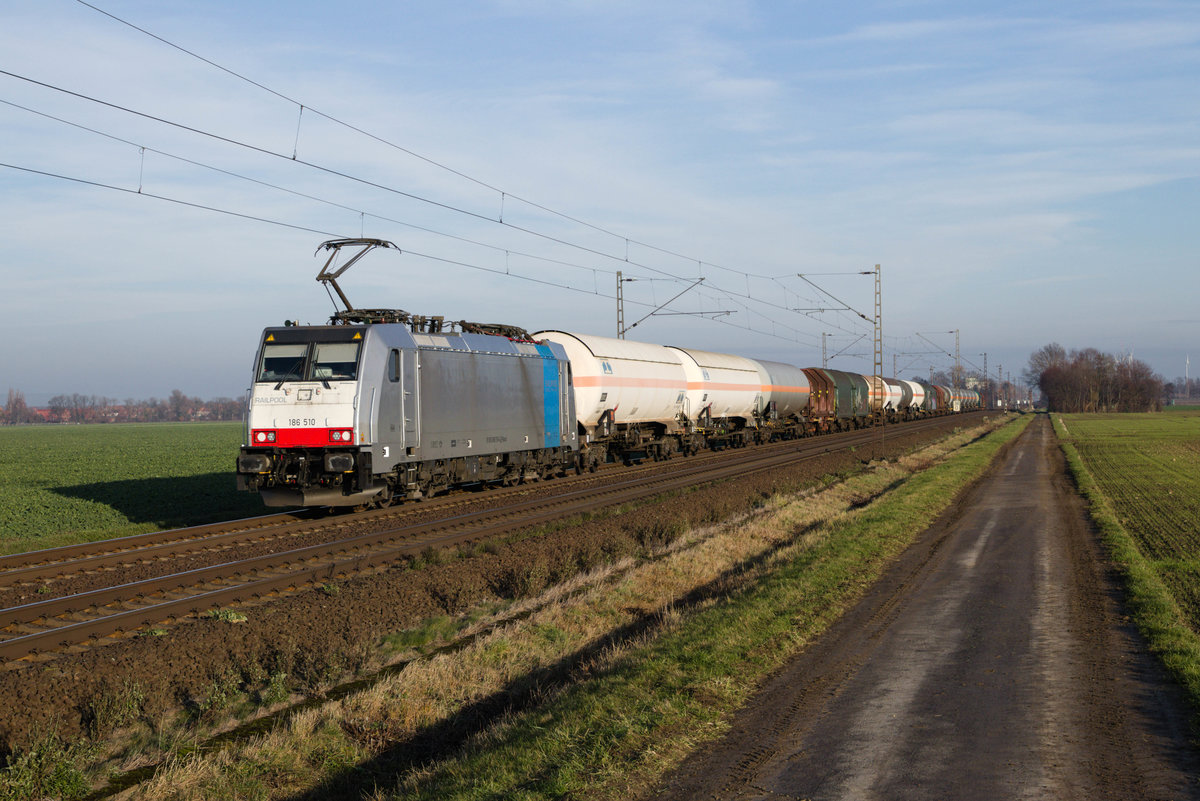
(1183, 388)
(77, 408)
(1090, 381)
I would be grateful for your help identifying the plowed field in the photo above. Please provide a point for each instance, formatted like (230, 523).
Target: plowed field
(1148, 466)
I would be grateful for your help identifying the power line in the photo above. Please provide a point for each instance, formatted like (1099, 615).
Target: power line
(291, 100)
(305, 195)
(255, 218)
(503, 193)
(337, 173)
(177, 201)
(330, 234)
(373, 184)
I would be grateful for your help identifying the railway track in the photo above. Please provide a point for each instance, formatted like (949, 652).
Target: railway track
(45, 574)
(141, 583)
(50, 573)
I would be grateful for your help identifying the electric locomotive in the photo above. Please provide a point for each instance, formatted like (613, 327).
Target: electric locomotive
(381, 404)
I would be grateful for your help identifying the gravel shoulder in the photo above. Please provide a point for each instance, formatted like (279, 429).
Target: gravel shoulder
(994, 660)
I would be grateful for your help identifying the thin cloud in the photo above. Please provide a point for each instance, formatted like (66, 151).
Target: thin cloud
(1047, 280)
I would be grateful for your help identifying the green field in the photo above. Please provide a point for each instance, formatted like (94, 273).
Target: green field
(65, 484)
(1141, 473)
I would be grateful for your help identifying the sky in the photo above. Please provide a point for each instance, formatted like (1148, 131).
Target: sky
(1023, 173)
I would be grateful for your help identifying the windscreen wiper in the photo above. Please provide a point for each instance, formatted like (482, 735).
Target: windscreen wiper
(288, 373)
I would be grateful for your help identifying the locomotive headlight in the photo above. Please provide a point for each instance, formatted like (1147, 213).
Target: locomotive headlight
(263, 437)
(341, 435)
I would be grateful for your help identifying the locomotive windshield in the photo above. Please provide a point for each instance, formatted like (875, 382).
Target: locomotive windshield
(309, 361)
(337, 361)
(283, 363)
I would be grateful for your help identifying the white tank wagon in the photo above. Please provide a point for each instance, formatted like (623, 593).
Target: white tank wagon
(786, 397)
(886, 395)
(785, 391)
(724, 392)
(637, 400)
(913, 400)
(630, 396)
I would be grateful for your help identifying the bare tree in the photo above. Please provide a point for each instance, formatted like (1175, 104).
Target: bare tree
(1043, 359)
(1090, 381)
(16, 411)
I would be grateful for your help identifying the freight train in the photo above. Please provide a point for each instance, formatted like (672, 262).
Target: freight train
(380, 405)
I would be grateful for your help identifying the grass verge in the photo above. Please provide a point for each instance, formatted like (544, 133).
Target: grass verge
(614, 735)
(1153, 606)
(68, 484)
(640, 663)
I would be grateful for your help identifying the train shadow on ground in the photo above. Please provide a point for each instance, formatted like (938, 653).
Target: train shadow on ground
(178, 501)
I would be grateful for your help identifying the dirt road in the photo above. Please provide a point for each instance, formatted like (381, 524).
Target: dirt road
(992, 662)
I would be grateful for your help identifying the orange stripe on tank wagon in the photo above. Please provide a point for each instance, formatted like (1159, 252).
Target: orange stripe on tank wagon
(606, 381)
(664, 383)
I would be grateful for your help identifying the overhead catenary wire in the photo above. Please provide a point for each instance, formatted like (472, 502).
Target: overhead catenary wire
(317, 231)
(408, 151)
(296, 193)
(178, 201)
(774, 323)
(377, 185)
(504, 195)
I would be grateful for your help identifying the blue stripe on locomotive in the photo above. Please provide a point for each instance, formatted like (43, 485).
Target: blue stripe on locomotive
(550, 397)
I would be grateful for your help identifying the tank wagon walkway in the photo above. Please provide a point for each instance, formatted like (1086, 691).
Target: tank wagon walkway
(991, 662)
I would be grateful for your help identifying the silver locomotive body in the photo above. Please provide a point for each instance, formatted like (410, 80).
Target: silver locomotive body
(345, 415)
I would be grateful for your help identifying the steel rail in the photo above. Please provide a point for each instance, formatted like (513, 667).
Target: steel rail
(62, 562)
(53, 564)
(13, 564)
(68, 560)
(373, 549)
